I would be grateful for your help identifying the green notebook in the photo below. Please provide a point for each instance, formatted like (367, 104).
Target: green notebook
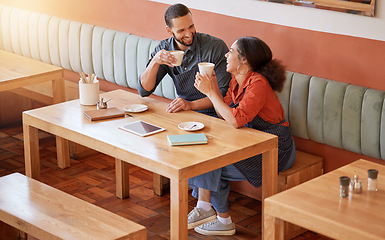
(187, 139)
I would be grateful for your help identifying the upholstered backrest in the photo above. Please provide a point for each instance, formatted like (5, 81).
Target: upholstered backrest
(115, 56)
(325, 111)
(335, 113)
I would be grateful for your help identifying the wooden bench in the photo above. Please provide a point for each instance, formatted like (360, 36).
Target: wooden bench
(47, 213)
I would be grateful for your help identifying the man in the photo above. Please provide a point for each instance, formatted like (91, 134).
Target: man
(198, 47)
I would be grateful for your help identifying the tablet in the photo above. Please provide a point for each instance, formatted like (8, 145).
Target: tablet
(142, 128)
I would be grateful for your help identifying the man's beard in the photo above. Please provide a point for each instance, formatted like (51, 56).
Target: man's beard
(182, 42)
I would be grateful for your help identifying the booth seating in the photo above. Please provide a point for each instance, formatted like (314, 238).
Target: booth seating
(47, 213)
(325, 111)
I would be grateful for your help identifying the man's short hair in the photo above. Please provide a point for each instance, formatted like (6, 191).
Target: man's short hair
(175, 11)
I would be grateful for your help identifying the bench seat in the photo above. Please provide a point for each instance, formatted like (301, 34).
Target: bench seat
(47, 213)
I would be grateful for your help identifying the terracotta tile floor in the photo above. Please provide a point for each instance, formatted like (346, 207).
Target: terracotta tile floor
(92, 179)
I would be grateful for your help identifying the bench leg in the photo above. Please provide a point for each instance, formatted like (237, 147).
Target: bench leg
(122, 179)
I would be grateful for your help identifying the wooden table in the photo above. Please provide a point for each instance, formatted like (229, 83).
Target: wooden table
(226, 145)
(17, 71)
(317, 206)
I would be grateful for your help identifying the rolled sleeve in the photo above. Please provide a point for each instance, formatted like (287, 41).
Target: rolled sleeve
(159, 76)
(161, 72)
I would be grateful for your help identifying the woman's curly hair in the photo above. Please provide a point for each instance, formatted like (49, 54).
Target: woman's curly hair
(259, 57)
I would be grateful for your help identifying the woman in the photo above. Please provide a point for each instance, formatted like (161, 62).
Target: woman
(251, 102)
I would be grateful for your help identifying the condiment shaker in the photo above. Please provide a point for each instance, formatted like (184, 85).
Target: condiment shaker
(372, 179)
(355, 185)
(344, 186)
(102, 104)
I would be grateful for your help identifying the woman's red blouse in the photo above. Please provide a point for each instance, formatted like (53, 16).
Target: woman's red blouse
(259, 99)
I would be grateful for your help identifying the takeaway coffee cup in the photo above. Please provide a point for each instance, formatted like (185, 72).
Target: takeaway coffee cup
(206, 68)
(89, 93)
(179, 57)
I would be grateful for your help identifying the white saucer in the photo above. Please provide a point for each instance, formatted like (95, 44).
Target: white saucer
(135, 108)
(191, 126)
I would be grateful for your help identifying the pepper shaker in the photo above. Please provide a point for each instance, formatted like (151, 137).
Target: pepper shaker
(372, 179)
(344, 186)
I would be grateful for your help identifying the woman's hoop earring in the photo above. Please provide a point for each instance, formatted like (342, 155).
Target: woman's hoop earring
(247, 70)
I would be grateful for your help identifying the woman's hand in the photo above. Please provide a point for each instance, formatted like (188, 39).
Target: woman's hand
(206, 84)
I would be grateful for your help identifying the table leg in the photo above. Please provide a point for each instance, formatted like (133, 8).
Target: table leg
(63, 152)
(31, 151)
(160, 184)
(178, 209)
(269, 177)
(122, 178)
(273, 228)
(157, 183)
(269, 173)
(58, 90)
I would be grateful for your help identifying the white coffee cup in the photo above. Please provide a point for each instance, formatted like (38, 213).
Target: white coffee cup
(88, 93)
(179, 57)
(206, 68)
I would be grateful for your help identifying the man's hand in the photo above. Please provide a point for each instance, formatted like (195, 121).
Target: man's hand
(164, 57)
(179, 104)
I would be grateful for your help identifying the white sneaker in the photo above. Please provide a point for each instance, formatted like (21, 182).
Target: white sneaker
(199, 216)
(216, 228)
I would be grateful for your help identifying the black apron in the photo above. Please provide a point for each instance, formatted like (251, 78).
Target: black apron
(251, 167)
(184, 83)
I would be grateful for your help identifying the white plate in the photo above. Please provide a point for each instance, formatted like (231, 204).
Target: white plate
(135, 108)
(191, 126)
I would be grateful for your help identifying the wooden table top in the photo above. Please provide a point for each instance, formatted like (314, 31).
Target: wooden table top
(16, 67)
(317, 206)
(224, 142)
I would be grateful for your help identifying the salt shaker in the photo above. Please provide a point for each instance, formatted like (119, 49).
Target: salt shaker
(355, 185)
(372, 179)
(102, 104)
(344, 186)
